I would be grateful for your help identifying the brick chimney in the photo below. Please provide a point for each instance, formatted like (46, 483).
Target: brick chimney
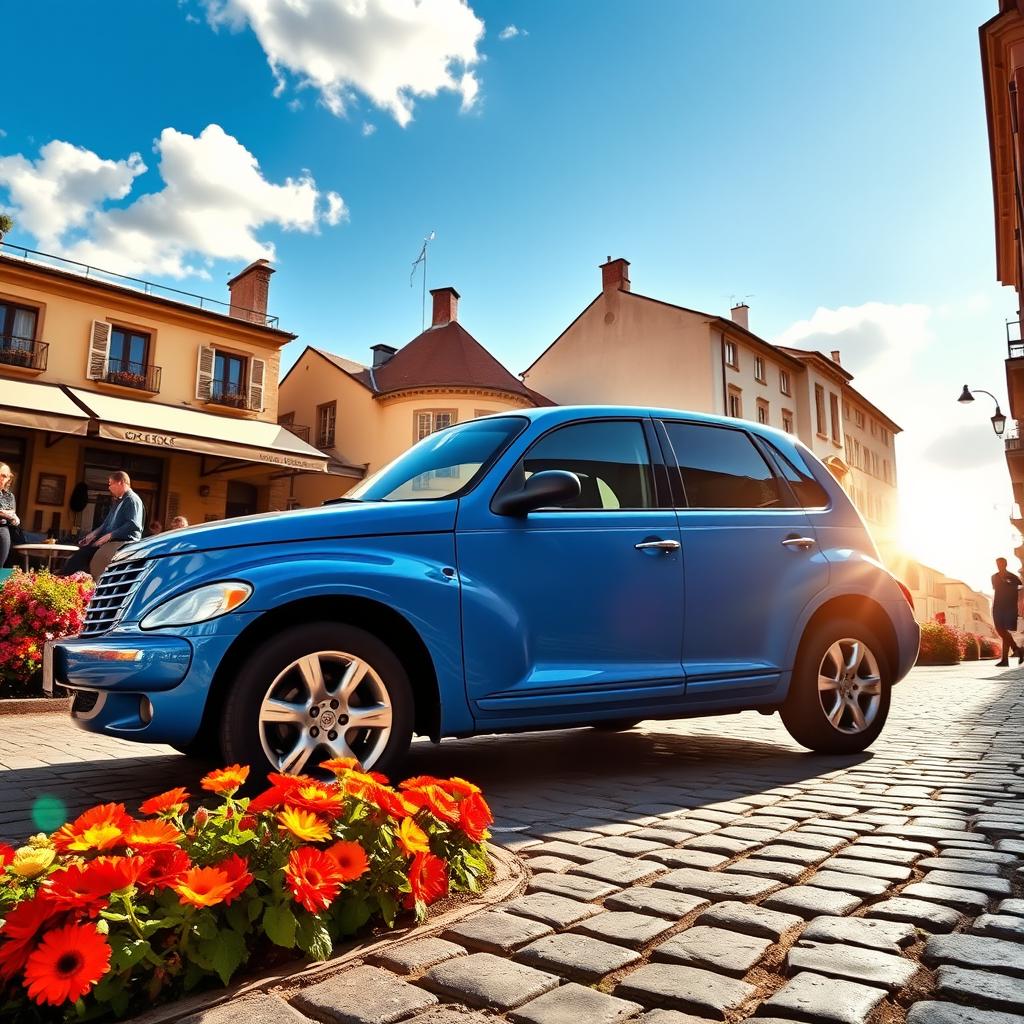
(249, 291)
(381, 354)
(835, 357)
(446, 306)
(615, 275)
(740, 314)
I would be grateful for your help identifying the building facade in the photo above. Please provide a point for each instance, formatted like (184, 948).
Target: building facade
(363, 416)
(100, 373)
(628, 348)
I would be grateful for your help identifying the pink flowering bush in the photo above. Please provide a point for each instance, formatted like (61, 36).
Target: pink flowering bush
(36, 607)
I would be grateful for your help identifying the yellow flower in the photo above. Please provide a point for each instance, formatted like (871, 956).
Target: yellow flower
(304, 825)
(40, 841)
(28, 862)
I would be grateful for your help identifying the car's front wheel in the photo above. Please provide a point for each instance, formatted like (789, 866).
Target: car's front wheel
(315, 692)
(840, 692)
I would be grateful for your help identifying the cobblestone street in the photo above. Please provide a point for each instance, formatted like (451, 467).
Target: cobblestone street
(704, 869)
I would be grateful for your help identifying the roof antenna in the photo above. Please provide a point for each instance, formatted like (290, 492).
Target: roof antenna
(422, 258)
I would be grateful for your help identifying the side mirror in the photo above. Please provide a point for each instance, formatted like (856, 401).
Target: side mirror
(549, 487)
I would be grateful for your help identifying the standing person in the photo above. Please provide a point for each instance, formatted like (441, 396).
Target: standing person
(122, 525)
(1004, 612)
(8, 514)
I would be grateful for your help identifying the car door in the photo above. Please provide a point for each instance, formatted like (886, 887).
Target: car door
(751, 561)
(575, 609)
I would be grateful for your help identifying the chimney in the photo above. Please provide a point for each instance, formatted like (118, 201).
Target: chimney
(615, 275)
(446, 306)
(835, 357)
(740, 314)
(381, 354)
(249, 291)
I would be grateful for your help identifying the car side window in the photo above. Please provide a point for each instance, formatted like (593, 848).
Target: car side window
(609, 456)
(721, 468)
(809, 493)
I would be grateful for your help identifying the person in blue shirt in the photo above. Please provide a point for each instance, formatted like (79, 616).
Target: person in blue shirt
(122, 525)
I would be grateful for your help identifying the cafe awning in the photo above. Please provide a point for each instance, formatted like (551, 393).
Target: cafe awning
(152, 425)
(25, 403)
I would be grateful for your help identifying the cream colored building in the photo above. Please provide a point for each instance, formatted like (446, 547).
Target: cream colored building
(627, 348)
(363, 416)
(100, 372)
(937, 597)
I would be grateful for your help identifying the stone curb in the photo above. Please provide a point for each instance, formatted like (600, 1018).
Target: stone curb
(509, 880)
(34, 705)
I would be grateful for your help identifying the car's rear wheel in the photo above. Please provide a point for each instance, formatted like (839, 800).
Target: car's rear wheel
(315, 692)
(840, 693)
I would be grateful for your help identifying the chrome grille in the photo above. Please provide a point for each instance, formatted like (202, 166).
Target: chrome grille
(115, 587)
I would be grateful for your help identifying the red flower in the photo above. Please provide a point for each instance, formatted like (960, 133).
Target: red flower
(317, 798)
(225, 780)
(314, 877)
(66, 964)
(435, 800)
(19, 930)
(219, 883)
(164, 869)
(351, 859)
(87, 886)
(6, 855)
(474, 817)
(99, 828)
(174, 801)
(428, 879)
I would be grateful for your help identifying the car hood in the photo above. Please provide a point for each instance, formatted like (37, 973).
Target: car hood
(362, 519)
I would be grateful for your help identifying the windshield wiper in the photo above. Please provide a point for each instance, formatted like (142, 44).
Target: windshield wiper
(342, 500)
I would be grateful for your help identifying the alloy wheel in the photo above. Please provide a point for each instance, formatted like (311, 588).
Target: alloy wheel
(849, 686)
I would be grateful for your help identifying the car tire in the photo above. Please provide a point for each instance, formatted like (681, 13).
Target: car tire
(297, 698)
(616, 724)
(841, 688)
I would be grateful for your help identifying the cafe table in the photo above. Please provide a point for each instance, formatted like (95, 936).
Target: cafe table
(47, 551)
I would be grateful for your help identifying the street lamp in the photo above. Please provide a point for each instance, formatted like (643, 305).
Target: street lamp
(998, 420)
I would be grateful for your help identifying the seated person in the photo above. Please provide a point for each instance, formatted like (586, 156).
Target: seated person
(122, 525)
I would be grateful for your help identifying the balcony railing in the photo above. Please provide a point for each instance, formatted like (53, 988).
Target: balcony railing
(23, 352)
(234, 396)
(141, 376)
(1014, 342)
(1011, 436)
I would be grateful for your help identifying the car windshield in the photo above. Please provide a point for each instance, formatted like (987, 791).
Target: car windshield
(442, 464)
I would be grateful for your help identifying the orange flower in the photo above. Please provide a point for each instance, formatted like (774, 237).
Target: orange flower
(219, 883)
(314, 877)
(428, 879)
(225, 780)
(174, 801)
(459, 787)
(304, 825)
(420, 782)
(151, 835)
(164, 869)
(435, 800)
(21, 926)
(411, 838)
(474, 817)
(100, 828)
(351, 859)
(66, 964)
(339, 765)
(6, 855)
(316, 797)
(87, 886)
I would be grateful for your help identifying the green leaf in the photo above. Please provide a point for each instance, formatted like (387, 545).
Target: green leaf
(225, 953)
(254, 908)
(388, 907)
(313, 937)
(350, 915)
(237, 917)
(279, 924)
(205, 926)
(127, 951)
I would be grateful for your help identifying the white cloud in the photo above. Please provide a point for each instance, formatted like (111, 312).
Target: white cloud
(368, 129)
(511, 31)
(213, 201)
(392, 51)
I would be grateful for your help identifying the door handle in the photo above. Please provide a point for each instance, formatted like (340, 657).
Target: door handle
(803, 543)
(657, 545)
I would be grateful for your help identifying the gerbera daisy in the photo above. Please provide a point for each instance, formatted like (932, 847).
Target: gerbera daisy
(420, 782)
(174, 801)
(163, 869)
(392, 803)
(152, 835)
(351, 859)
(225, 780)
(219, 883)
(314, 877)
(304, 825)
(100, 828)
(340, 765)
(459, 787)
(316, 797)
(436, 801)
(28, 862)
(411, 838)
(474, 817)
(428, 879)
(21, 926)
(66, 964)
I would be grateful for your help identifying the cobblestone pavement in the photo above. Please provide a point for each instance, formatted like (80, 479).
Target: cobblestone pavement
(684, 871)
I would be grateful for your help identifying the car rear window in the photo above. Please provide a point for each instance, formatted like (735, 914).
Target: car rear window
(809, 493)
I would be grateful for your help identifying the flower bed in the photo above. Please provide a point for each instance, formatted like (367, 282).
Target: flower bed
(940, 645)
(112, 913)
(36, 607)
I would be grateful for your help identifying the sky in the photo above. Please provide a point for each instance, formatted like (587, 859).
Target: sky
(826, 163)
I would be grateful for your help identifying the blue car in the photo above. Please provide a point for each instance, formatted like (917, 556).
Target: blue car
(542, 569)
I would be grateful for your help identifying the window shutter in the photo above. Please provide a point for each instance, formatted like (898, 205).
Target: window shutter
(204, 373)
(99, 350)
(257, 374)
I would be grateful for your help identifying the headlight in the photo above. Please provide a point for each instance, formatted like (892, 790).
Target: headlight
(198, 605)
